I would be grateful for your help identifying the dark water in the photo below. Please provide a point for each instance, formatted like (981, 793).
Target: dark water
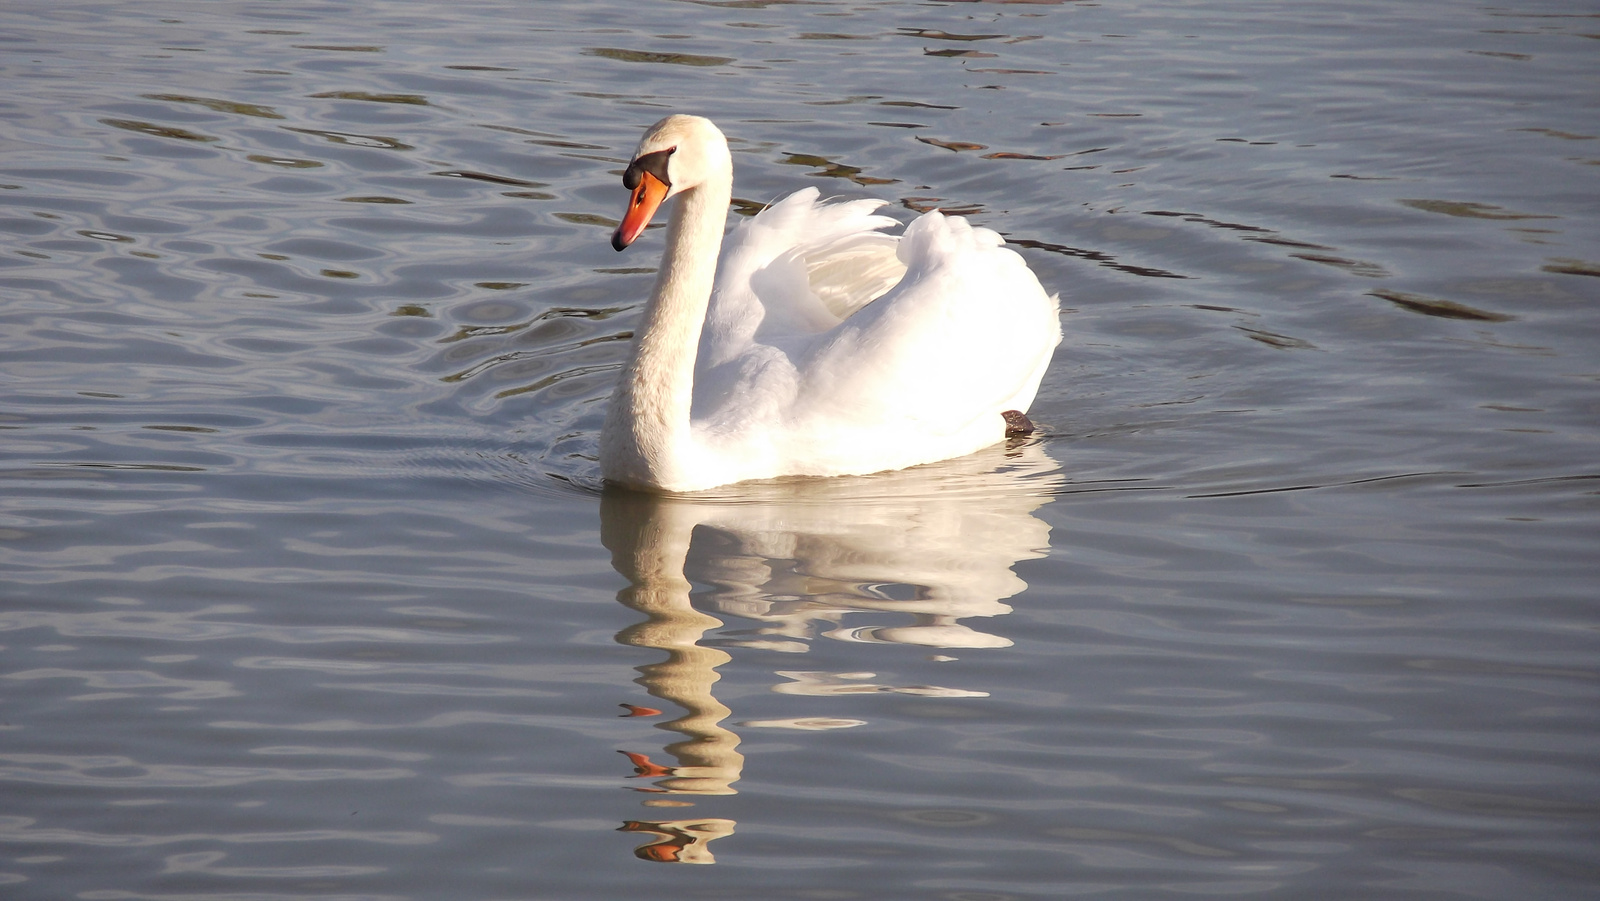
(310, 591)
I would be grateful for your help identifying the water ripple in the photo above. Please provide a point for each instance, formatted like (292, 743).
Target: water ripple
(108, 771)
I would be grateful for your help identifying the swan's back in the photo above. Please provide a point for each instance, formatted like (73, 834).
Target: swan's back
(832, 348)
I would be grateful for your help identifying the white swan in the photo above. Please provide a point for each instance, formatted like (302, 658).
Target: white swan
(820, 346)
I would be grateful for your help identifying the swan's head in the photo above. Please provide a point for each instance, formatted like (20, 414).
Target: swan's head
(677, 154)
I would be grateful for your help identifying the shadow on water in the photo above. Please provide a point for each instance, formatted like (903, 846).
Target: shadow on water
(933, 546)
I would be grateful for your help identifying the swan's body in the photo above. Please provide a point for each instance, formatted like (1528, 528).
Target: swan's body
(819, 346)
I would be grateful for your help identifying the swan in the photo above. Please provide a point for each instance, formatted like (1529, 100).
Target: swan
(812, 344)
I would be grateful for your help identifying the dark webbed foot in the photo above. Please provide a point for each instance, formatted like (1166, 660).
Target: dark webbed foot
(1018, 425)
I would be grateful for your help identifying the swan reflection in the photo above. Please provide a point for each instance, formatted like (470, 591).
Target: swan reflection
(794, 560)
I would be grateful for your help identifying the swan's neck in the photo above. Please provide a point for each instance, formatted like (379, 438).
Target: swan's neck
(646, 437)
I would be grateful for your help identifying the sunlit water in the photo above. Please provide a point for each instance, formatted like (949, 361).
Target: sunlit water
(310, 591)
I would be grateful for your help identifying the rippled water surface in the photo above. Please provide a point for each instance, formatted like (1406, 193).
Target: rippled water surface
(307, 323)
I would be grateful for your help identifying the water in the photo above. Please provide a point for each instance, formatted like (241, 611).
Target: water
(310, 589)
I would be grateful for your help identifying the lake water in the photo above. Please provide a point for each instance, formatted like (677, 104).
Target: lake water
(311, 590)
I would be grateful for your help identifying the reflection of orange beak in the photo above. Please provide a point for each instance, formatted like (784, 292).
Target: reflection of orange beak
(641, 206)
(642, 766)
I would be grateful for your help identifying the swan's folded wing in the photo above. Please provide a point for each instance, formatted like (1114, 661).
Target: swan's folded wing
(850, 272)
(797, 268)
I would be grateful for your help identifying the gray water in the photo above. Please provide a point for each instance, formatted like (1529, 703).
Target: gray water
(311, 589)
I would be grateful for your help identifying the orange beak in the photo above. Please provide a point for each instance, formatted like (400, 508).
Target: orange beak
(642, 205)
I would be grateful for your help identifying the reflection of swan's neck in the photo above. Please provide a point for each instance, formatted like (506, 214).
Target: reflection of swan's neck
(651, 554)
(647, 425)
(708, 761)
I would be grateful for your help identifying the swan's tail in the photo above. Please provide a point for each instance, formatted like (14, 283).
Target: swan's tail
(981, 302)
